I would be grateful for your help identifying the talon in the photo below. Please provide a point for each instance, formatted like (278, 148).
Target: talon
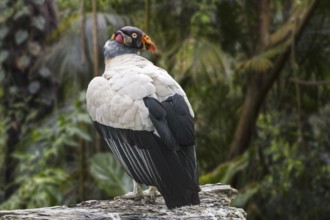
(130, 195)
(137, 193)
(149, 196)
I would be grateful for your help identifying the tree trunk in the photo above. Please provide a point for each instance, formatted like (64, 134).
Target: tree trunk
(95, 40)
(261, 83)
(246, 124)
(147, 16)
(96, 60)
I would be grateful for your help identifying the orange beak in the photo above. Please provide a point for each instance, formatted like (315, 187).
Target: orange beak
(148, 44)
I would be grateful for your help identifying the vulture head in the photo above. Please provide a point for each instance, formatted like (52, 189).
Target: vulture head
(128, 39)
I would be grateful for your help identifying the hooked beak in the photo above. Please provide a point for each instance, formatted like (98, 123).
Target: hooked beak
(148, 44)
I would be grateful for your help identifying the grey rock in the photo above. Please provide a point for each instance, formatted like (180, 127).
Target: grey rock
(215, 204)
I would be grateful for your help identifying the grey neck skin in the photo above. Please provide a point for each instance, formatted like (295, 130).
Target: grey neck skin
(112, 48)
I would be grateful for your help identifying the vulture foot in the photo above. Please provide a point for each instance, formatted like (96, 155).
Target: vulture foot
(149, 195)
(137, 193)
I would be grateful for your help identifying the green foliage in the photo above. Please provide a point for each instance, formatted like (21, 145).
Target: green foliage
(66, 56)
(256, 64)
(281, 155)
(208, 46)
(21, 36)
(39, 189)
(297, 172)
(225, 171)
(42, 170)
(197, 56)
(3, 139)
(246, 194)
(110, 175)
(216, 108)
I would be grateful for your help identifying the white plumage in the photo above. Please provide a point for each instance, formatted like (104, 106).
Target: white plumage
(145, 118)
(116, 98)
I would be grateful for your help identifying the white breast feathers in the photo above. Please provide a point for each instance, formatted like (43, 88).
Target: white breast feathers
(116, 98)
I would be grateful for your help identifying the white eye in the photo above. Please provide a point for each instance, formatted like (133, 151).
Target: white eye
(134, 35)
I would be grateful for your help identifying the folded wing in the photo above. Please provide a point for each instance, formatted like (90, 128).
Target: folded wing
(147, 122)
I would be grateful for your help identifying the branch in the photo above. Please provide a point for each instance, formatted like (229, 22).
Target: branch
(95, 39)
(310, 83)
(276, 70)
(284, 33)
(264, 20)
(82, 32)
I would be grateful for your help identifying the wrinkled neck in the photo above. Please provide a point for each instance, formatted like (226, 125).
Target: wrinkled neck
(113, 48)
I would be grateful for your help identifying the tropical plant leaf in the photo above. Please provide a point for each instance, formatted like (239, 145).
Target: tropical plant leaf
(245, 194)
(39, 2)
(2, 75)
(257, 64)
(200, 59)
(109, 174)
(224, 172)
(65, 58)
(45, 184)
(5, 14)
(34, 87)
(22, 12)
(3, 55)
(3, 31)
(79, 132)
(39, 22)
(20, 36)
(23, 62)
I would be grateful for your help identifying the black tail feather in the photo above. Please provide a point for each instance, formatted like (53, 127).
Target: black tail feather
(167, 162)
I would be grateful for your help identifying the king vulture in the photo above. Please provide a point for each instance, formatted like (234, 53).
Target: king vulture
(145, 117)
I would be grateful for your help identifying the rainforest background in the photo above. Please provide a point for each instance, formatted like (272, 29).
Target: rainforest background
(256, 72)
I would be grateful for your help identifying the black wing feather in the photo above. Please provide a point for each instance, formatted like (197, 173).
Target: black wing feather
(172, 118)
(179, 120)
(158, 114)
(166, 161)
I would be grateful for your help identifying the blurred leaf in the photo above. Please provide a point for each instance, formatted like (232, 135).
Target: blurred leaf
(22, 12)
(3, 31)
(39, 2)
(224, 172)
(44, 184)
(65, 57)
(84, 118)
(45, 72)
(245, 194)
(34, 48)
(5, 14)
(20, 36)
(201, 58)
(39, 22)
(260, 62)
(2, 76)
(109, 174)
(80, 133)
(3, 55)
(23, 62)
(257, 64)
(34, 87)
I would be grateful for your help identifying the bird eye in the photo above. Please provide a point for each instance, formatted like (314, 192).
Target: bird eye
(134, 35)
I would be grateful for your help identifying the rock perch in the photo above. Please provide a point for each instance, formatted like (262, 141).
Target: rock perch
(215, 204)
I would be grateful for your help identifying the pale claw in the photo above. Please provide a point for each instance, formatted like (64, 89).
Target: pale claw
(137, 193)
(149, 195)
(130, 195)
